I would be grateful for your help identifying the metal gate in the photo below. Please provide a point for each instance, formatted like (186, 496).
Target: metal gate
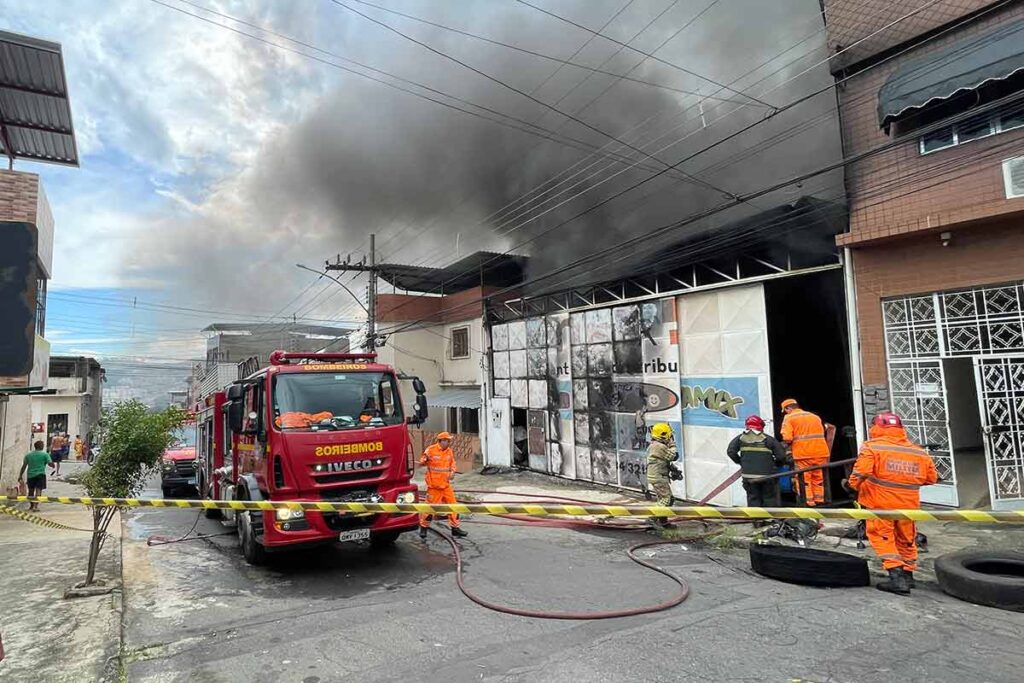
(919, 398)
(1001, 401)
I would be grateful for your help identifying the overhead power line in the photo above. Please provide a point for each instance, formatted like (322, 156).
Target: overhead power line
(735, 134)
(512, 122)
(541, 55)
(527, 95)
(649, 56)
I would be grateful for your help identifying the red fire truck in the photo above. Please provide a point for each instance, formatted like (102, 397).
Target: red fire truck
(316, 427)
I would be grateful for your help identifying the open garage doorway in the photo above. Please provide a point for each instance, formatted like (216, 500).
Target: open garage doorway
(809, 352)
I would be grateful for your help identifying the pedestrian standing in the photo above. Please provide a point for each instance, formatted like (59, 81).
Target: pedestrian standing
(56, 449)
(79, 446)
(661, 453)
(35, 465)
(758, 454)
(888, 475)
(804, 433)
(439, 460)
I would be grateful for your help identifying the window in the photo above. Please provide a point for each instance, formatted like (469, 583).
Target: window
(973, 128)
(469, 421)
(460, 342)
(452, 424)
(41, 307)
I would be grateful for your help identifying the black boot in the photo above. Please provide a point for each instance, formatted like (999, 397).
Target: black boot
(423, 532)
(458, 533)
(909, 576)
(897, 583)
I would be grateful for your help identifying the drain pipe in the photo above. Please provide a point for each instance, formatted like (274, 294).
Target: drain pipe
(853, 335)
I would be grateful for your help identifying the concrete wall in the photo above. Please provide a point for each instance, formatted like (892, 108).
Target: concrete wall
(16, 436)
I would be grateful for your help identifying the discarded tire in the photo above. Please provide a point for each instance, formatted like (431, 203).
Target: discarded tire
(985, 577)
(809, 567)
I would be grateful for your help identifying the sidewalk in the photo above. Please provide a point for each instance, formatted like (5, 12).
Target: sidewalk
(45, 637)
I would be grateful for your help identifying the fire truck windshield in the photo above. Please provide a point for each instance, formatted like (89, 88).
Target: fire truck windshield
(328, 400)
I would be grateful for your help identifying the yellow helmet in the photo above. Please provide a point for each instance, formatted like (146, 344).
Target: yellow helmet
(661, 431)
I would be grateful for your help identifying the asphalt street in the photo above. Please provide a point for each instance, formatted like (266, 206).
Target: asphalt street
(196, 612)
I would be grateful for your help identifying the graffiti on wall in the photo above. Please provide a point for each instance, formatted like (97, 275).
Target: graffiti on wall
(719, 401)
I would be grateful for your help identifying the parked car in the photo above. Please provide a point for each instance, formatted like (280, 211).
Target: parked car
(178, 467)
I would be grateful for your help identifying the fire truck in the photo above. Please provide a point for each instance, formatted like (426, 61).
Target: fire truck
(311, 427)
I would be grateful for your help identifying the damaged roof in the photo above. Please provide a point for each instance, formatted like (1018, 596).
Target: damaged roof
(484, 268)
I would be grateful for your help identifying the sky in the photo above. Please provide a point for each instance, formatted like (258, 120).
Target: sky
(212, 162)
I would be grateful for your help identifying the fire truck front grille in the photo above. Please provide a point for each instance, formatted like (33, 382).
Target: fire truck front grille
(342, 522)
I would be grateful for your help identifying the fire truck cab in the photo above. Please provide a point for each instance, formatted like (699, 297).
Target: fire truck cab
(312, 427)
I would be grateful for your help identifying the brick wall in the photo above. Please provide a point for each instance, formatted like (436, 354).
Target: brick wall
(18, 196)
(849, 21)
(902, 191)
(978, 255)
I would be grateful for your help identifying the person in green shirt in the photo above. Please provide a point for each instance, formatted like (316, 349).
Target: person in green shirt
(35, 463)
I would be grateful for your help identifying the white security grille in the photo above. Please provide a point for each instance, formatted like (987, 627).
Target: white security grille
(918, 397)
(983, 322)
(1001, 381)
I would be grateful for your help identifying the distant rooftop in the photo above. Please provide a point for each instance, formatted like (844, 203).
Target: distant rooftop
(280, 328)
(35, 113)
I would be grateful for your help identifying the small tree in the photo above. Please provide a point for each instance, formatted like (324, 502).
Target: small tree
(134, 439)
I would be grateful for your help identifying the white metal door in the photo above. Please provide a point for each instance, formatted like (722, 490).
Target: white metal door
(1001, 402)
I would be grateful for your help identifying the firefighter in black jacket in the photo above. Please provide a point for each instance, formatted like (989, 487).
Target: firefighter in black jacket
(758, 454)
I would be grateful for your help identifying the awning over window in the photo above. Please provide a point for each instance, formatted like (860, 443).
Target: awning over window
(468, 397)
(964, 66)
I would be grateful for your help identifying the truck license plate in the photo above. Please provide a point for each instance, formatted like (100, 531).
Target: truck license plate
(354, 535)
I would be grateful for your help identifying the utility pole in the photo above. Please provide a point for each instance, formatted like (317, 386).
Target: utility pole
(363, 267)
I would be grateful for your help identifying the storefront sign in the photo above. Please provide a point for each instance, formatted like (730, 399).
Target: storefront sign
(719, 401)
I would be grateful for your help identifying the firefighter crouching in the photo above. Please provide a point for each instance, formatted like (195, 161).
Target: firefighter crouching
(758, 454)
(439, 460)
(804, 433)
(888, 475)
(661, 456)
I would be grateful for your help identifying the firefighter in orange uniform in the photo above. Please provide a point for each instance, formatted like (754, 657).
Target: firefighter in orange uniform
(439, 460)
(804, 433)
(889, 473)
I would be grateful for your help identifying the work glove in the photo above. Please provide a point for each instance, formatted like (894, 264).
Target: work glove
(674, 473)
(845, 483)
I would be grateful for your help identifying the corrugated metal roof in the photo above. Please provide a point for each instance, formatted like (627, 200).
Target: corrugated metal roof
(455, 398)
(35, 113)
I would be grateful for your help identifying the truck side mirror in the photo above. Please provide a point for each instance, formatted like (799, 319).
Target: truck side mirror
(420, 388)
(235, 392)
(420, 408)
(236, 410)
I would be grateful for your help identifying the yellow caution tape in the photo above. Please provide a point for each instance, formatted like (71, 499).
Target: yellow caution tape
(36, 519)
(696, 512)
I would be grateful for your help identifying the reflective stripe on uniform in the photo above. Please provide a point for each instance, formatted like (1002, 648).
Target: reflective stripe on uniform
(759, 449)
(804, 437)
(901, 449)
(888, 484)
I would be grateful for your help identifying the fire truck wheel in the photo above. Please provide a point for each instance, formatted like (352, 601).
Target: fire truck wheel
(383, 539)
(253, 552)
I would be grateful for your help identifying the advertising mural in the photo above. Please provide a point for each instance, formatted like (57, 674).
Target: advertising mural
(592, 383)
(719, 401)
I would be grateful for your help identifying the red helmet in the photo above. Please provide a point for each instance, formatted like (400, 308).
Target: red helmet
(755, 422)
(887, 420)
